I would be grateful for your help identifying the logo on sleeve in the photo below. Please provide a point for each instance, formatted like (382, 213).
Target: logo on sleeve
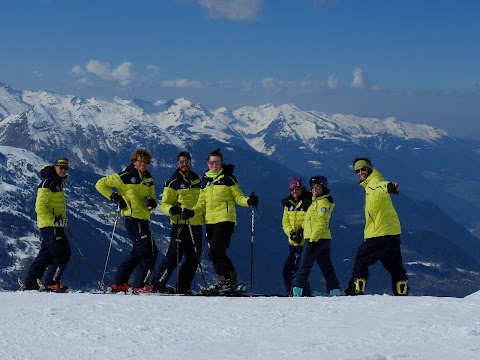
(133, 180)
(323, 209)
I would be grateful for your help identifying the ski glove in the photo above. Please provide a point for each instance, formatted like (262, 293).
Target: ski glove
(296, 237)
(175, 210)
(187, 214)
(60, 222)
(151, 203)
(392, 188)
(115, 197)
(252, 200)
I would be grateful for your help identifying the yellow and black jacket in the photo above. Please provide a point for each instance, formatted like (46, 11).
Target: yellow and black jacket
(184, 192)
(134, 187)
(50, 203)
(218, 197)
(294, 214)
(316, 225)
(380, 216)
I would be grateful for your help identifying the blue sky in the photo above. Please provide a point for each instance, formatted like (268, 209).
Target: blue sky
(416, 60)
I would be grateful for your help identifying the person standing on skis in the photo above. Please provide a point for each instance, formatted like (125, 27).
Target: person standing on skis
(51, 210)
(316, 231)
(218, 195)
(182, 189)
(381, 234)
(135, 196)
(294, 209)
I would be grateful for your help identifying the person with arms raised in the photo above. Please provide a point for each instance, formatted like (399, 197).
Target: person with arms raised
(381, 233)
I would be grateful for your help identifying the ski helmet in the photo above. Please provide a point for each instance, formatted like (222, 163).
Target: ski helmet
(319, 180)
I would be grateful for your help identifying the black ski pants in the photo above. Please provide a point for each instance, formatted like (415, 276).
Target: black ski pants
(290, 268)
(320, 252)
(143, 255)
(54, 254)
(181, 244)
(218, 237)
(384, 248)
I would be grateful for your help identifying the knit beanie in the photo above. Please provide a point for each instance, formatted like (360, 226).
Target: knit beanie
(295, 182)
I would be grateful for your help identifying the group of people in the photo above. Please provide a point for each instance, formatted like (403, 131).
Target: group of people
(305, 221)
(189, 200)
(192, 201)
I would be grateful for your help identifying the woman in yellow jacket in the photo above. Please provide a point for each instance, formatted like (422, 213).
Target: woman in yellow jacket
(218, 195)
(135, 196)
(316, 231)
(381, 234)
(294, 209)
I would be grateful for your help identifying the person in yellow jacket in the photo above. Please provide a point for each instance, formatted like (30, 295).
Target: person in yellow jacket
(381, 233)
(316, 231)
(51, 210)
(181, 189)
(294, 209)
(218, 195)
(135, 196)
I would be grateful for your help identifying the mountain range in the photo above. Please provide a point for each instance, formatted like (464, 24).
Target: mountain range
(439, 201)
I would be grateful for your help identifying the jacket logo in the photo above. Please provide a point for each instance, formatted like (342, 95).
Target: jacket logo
(182, 186)
(323, 209)
(133, 180)
(291, 208)
(207, 184)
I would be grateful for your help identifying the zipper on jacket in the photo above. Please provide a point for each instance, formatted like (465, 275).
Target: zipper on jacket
(373, 220)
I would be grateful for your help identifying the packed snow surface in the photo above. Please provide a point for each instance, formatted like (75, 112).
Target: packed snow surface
(84, 326)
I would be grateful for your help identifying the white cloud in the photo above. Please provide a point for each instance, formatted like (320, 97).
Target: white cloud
(272, 83)
(307, 84)
(85, 81)
(154, 69)
(37, 73)
(333, 82)
(235, 10)
(183, 83)
(122, 73)
(78, 70)
(359, 78)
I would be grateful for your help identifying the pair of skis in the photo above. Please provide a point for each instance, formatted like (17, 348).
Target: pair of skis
(41, 286)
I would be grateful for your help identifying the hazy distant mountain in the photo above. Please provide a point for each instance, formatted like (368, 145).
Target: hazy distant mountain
(439, 197)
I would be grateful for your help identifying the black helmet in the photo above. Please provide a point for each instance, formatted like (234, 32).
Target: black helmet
(319, 180)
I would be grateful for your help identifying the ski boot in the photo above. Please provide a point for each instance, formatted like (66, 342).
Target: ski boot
(401, 288)
(356, 287)
(297, 292)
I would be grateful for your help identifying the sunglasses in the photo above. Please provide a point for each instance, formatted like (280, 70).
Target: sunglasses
(63, 167)
(317, 187)
(184, 162)
(212, 163)
(361, 169)
(295, 188)
(144, 162)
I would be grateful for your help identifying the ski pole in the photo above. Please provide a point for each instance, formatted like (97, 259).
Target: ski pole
(199, 260)
(110, 246)
(251, 250)
(83, 256)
